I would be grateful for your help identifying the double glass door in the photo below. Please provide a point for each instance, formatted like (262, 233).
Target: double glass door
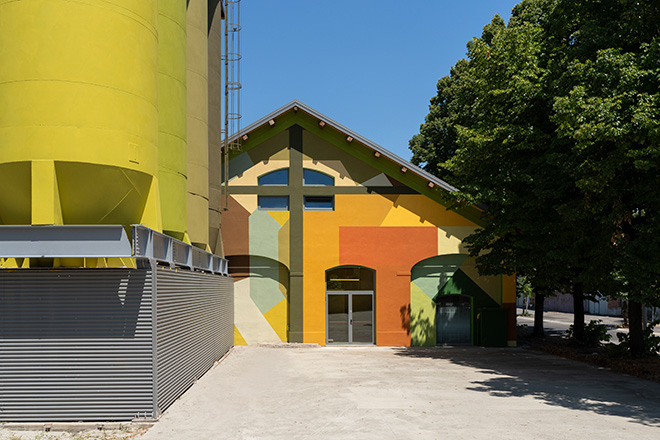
(350, 317)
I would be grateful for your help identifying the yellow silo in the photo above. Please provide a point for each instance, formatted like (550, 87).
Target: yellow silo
(78, 113)
(172, 137)
(215, 127)
(198, 111)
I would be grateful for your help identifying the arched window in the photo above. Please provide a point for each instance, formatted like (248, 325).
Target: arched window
(318, 202)
(277, 177)
(316, 178)
(274, 203)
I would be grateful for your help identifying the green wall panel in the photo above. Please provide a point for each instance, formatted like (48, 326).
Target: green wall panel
(265, 285)
(264, 232)
(432, 274)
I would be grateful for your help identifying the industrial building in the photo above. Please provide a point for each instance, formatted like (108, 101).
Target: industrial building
(334, 240)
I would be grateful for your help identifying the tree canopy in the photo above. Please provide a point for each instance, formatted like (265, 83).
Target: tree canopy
(552, 122)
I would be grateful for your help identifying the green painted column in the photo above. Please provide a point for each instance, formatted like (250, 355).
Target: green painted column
(296, 234)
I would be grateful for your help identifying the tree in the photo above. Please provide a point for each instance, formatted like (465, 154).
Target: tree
(509, 127)
(612, 114)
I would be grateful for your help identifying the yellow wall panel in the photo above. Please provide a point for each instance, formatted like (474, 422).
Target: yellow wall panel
(238, 338)
(419, 210)
(277, 317)
(450, 239)
(490, 284)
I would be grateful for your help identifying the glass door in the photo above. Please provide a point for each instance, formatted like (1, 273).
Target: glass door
(338, 323)
(350, 318)
(350, 305)
(361, 318)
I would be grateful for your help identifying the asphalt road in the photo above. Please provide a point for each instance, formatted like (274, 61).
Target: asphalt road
(556, 323)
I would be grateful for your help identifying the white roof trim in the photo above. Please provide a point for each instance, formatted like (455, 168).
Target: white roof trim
(336, 125)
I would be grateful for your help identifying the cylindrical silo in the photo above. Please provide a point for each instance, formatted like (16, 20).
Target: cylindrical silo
(172, 122)
(198, 135)
(79, 118)
(215, 126)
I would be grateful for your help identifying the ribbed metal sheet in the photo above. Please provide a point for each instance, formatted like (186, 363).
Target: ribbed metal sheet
(76, 344)
(195, 328)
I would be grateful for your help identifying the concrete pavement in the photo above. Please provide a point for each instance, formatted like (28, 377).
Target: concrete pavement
(303, 392)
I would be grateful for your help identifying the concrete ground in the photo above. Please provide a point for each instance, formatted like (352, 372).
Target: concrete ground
(306, 392)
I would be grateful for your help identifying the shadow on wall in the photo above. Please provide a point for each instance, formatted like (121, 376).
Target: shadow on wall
(62, 306)
(404, 311)
(508, 372)
(423, 329)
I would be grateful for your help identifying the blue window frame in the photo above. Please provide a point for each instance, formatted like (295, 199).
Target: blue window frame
(277, 177)
(273, 203)
(311, 177)
(319, 203)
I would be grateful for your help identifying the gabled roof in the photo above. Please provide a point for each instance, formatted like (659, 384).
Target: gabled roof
(296, 106)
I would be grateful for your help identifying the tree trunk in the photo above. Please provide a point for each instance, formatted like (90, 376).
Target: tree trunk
(578, 312)
(635, 328)
(538, 315)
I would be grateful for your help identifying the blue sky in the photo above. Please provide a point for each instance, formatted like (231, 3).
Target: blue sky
(371, 65)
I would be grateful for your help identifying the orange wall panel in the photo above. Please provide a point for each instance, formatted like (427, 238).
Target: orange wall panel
(391, 251)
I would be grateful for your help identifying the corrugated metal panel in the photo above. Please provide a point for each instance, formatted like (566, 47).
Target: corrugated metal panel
(76, 344)
(195, 328)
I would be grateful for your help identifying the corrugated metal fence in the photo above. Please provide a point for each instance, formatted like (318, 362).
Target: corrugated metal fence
(195, 316)
(104, 344)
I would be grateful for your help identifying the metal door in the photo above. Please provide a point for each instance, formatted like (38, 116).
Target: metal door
(453, 320)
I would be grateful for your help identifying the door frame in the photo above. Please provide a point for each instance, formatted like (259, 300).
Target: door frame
(350, 294)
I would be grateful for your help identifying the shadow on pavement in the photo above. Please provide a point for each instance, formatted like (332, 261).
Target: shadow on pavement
(555, 381)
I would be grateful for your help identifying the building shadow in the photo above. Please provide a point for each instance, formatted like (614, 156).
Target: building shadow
(554, 381)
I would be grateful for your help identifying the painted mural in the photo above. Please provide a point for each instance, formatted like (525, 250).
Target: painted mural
(284, 231)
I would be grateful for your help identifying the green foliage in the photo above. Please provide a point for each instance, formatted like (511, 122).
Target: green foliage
(651, 343)
(553, 123)
(524, 287)
(595, 332)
